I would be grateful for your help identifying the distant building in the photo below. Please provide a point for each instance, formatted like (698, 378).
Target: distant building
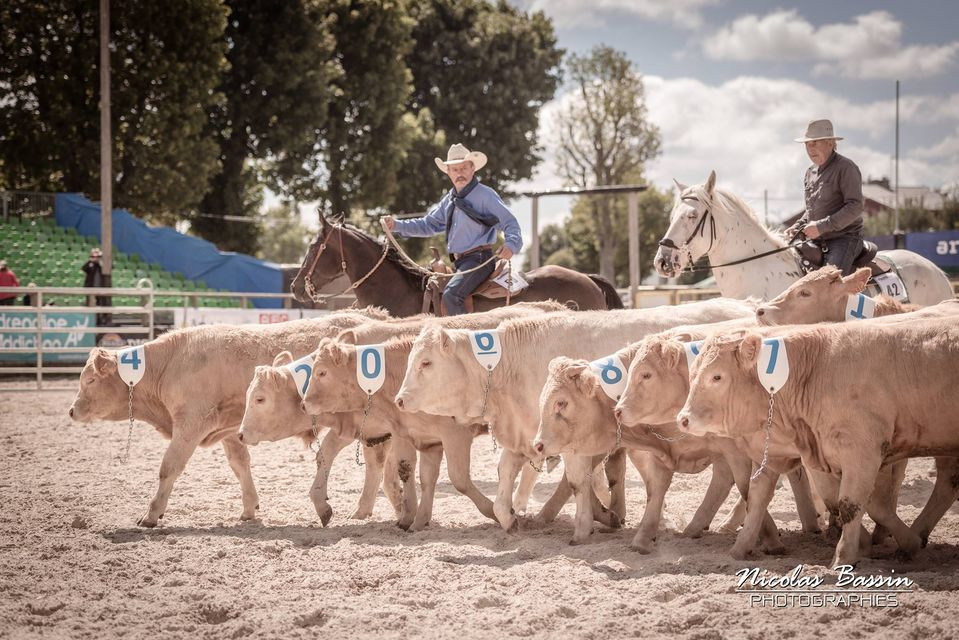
(879, 197)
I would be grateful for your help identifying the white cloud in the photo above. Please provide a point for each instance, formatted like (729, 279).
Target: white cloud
(868, 47)
(593, 13)
(744, 129)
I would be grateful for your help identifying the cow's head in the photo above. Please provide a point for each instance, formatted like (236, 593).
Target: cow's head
(575, 415)
(725, 395)
(819, 296)
(102, 394)
(273, 410)
(333, 387)
(656, 385)
(442, 376)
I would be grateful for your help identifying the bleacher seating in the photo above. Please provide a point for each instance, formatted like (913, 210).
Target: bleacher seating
(40, 251)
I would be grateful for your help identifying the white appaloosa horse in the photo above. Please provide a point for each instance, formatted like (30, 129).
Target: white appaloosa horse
(717, 223)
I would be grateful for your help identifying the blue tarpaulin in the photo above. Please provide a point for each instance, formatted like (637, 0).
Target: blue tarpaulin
(942, 247)
(195, 258)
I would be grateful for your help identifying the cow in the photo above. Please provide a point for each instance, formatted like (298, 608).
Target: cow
(857, 397)
(273, 411)
(577, 418)
(193, 389)
(443, 377)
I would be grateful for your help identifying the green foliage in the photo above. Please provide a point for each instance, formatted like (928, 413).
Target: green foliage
(915, 218)
(605, 137)
(166, 59)
(284, 236)
(277, 89)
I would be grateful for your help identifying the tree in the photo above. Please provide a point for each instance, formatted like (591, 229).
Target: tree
(362, 141)
(165, 62)
(582, 236)
(552, 238)
(604, 136)
(483, 71)
(284, 235)
(276, 93)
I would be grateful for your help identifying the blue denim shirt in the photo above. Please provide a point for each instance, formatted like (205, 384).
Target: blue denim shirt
(465, 233)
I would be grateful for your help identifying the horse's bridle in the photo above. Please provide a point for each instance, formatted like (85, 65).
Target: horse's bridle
(308, 283)
(700, 228)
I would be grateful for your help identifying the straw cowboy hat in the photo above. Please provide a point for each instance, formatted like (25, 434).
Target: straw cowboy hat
(819, 130)
(96, 253)
(457, 154)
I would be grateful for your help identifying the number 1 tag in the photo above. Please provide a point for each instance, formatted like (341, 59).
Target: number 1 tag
(131, 364)
(860, 307)
(370, 367)
(692, 350)
(486, 348)
(891, 285)
(612, 375)
(773, 365)
(302, 371)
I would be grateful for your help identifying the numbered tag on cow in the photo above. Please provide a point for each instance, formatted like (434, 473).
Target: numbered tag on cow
(891, 285)
(692, 350)
(131, 364)
(612, 375)
(302, 371)
(860, 307)
(370, 367)
(773, 365)
(486, 348)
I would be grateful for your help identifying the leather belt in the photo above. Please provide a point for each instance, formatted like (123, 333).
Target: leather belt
(459, 256)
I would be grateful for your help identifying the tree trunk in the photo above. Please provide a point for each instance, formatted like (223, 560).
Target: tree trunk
(606, 239)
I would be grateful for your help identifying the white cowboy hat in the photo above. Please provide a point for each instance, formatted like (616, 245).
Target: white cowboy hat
(819, 130)
(457, 154)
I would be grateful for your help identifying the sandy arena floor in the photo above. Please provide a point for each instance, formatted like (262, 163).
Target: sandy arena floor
(74, 565)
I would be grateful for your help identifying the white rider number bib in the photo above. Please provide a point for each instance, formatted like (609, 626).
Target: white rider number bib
(131, 364)
(891, 285)
(370, 367)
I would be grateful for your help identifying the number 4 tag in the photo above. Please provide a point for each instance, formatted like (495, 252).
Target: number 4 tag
(131, 364)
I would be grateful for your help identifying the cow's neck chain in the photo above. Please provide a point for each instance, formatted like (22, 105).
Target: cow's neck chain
(769, 422)
(316, 436)
(126, 455)
(664, 438)
(489, 382)
(359, 436)
(619, 441)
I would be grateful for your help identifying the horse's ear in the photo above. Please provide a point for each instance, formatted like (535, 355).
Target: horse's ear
(710, 183)
(679, 185)
(324, 223)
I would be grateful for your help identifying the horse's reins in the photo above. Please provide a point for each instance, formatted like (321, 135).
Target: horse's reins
(308, 284)
(700, 228)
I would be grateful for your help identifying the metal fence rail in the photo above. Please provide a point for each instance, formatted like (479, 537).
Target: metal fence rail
(26, 204)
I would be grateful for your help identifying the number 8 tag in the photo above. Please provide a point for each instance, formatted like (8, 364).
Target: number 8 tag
(131, 364)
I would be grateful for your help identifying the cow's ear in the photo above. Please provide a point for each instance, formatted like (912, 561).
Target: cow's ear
(348, 336)
(710, 183)
(856, 282)
(580, 375)
(282, 358)
(104, 362)
(748, 350)
(445, 341)
(672, 352)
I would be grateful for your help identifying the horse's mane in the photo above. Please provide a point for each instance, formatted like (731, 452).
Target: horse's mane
(413, 272)
(729, 202)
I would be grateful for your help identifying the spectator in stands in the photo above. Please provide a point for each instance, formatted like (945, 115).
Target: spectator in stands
(94, 278)
(8, 279)
(30, 299)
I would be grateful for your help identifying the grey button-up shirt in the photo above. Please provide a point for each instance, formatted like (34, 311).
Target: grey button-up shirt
(834, 197)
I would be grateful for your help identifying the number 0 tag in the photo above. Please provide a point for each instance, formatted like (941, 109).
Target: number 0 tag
(370, 367)
(131, 364)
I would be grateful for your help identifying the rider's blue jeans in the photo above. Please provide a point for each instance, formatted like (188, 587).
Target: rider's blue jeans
(842, 252)
(461, 286)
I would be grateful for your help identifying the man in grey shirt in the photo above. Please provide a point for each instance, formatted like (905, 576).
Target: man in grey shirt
(833, 190)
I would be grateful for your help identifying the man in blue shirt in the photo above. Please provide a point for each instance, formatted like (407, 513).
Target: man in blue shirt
(471, 214)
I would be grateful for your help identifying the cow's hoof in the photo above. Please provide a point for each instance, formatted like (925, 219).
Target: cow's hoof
(833, 533)
(147, 522)
(739, 553)
(693, 532)
(513, 526)
(925, 540)
(326, 515)
(404, 524)
(361, 514)
(578, 540)
(642, 546)
(775, 550)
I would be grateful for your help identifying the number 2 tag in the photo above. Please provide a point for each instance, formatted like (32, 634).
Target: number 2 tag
(131, 364)
(302, 371)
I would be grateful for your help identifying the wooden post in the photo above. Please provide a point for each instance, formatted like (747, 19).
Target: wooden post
(534, 232)
(633, 211)
(106, 159)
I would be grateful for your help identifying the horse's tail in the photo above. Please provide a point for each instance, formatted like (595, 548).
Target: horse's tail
(613, 301)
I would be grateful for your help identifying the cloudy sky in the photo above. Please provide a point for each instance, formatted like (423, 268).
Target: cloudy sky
(730, 83)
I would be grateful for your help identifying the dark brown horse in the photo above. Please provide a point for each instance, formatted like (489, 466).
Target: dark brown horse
(397, 285)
